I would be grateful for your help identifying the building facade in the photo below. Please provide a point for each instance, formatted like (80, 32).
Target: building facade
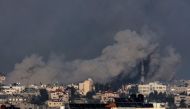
(86, 86)
(146, 89)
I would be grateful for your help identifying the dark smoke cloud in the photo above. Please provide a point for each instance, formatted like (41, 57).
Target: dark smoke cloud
(128, 49)
(81, 29)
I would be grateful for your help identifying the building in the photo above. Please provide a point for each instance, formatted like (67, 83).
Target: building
(188, 90)
(137, 106)
(16, 99)
(26, 105)
(13, 89)
(59, 95)
(55, 104)
(146, 89)
(127, 88)
(86, 86)
(118, 105)
(53, 88)
(108, 96)
(178, 99)
(178, 90)
(3, 99)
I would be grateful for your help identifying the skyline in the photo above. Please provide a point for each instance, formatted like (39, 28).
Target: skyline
(76, 30)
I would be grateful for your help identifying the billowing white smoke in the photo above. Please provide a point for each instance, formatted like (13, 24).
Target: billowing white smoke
(125, 53)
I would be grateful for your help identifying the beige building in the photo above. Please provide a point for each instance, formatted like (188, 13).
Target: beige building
(54, 88)
(146, 89)
(55, 104)
(86, 86)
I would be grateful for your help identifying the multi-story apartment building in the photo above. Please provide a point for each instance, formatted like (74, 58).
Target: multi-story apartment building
(86, 86)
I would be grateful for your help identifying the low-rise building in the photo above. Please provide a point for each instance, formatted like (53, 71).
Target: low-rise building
(178, 99)
(13, 89)
(53, 88)
(3, 99)
(146, 89)
(55, 103)
(16, 99)
(108, 96)
(178, 90)
(59, 95)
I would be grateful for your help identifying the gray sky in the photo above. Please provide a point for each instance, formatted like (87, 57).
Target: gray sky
(82, 28)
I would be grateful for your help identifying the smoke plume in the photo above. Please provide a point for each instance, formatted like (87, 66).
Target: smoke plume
(128, 49)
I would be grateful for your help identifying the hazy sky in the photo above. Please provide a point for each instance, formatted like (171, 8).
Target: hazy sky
(82, 28)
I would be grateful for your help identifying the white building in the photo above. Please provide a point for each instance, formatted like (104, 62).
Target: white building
(179, 89)
(86, 86)
(59, 95)
(16, 99)
(146, 89)
(108, 96)
(12, 89)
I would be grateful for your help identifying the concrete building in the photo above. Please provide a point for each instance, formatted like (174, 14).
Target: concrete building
(86, 86)
(13, 89)
(55, 104)
(16, 99)
(59, 95)
(179, 90)
(146, 89)
(108, 96)
(155, 106)
(53, 88)
(178, 99)
(26, 105)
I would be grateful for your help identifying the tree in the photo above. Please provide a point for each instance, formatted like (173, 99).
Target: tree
(40, 99)
(43, 95)
(73, 93)
(183, 93)
(102, 87)
(140, 98)
(170, 100)
(182, 104)
(90, 94)
(133, 90)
